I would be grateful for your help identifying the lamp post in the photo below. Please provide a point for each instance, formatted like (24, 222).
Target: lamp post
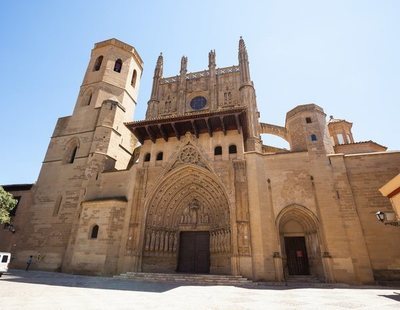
(387, 218)
(380, 216)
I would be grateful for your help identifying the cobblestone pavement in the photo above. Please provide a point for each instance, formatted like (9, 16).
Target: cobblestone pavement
(49, 290)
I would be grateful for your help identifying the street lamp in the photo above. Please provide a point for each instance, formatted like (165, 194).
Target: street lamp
(380, 216)
(388, 218)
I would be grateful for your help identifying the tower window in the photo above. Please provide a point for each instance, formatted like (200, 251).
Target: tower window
(159, 156)
(218, 150)
(118, 65)
(97, 64)
(308, 120)
(134, 76)
(71, 151)
(57, 205)
(147, 157)
(313, 137)
(72, 155)
(95, 231)
(89, 99)
(232, 149)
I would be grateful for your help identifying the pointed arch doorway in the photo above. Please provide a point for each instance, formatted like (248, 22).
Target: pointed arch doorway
(187, 225)
(300, 242)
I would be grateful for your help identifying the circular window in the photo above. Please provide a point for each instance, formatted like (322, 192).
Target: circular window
(198, 103)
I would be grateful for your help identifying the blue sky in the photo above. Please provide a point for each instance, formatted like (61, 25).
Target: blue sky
(341, 55)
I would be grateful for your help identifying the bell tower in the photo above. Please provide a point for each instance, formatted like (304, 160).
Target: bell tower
(107, 99)
(114, 70)
(83, 145)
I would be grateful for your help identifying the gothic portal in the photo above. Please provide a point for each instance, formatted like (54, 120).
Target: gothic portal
(188, 198)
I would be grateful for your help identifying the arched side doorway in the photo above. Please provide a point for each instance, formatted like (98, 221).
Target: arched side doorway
(300, 242)
(188, 224)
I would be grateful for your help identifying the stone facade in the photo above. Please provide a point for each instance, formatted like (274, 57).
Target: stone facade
(116, 195)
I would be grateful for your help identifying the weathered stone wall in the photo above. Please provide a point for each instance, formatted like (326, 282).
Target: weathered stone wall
(96, 128)
(225, 95)
(99, 255)
(366, 174)
(10, 242)
(360, 147)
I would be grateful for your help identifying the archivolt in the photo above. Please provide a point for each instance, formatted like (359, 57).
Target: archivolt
(301, 215)
(178, 189)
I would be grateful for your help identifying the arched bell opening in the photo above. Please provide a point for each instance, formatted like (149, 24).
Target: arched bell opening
(188, 225)
(300, 242)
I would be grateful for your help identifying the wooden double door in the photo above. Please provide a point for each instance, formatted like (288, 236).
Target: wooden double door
(296, 254)
(194, 252)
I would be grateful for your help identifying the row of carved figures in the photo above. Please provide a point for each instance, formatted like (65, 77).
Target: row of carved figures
(167, 241)
(220, 241)
(161, 241)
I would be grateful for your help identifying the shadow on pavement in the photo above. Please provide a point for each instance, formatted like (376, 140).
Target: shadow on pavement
(395, 297)
(95, 282)
(109, 283)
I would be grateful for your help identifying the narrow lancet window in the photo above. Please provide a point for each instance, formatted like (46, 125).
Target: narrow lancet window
(95, 232)
(73, 155)
(97, 64)
(134, 76)
(118, 65)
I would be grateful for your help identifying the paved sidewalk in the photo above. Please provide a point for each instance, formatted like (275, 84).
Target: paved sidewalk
(50, 290)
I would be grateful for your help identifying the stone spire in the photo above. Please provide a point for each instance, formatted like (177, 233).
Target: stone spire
(248, 99)
(212, 80)
(182, 86)
(158, 72)
(184, 65)
(244, 63)
(211, 59)
(152, 105)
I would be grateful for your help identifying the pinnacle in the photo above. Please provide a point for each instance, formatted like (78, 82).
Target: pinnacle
(242, 45)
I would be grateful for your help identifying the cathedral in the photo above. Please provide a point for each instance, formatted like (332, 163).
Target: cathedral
(193, 189)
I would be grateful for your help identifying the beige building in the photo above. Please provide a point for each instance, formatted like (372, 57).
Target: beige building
(193, 189)
(391, 190)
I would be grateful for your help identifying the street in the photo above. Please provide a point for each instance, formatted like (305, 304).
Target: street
(49, 290)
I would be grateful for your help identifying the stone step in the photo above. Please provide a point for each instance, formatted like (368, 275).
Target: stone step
(303, 279)
(229, 280)
(181, 274)
(178, 276)
(202, 279)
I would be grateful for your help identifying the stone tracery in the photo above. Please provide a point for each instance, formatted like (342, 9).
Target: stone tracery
(190, 200)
